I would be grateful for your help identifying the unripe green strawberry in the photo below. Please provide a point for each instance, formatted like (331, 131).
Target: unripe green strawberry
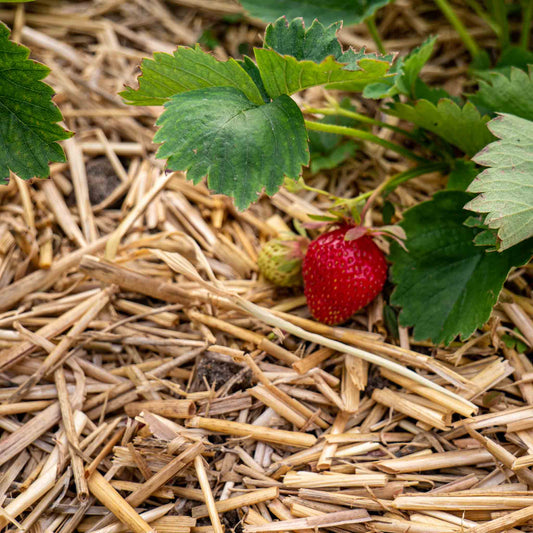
(280, 261)
(342, 275)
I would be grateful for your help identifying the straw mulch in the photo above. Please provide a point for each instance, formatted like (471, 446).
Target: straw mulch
(139, 383)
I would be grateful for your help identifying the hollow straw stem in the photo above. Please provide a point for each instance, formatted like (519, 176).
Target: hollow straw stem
(364, 136)
(459, 27)
(206, 489)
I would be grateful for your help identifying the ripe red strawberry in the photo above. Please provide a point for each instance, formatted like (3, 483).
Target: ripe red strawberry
(342, 276)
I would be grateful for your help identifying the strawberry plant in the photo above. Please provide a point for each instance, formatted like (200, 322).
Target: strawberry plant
(235, 121)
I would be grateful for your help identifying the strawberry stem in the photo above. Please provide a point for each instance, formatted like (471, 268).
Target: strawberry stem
(365, 136)
(337, 110)
(392, 182)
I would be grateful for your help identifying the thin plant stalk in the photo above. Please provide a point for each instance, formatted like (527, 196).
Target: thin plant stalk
(499, 14)
(527, 19)
(373, 30)
(397, 179)
(364, 136)
(482, 14)
(337, 110)
(459, 27)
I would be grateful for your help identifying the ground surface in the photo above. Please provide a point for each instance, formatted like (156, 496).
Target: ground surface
(141, 376)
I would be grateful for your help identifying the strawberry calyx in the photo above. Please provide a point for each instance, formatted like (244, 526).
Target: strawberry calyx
(357, 230)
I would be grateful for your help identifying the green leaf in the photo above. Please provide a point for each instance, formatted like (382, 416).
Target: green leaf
(462, 127)
(28, 118)
(406, 74)
(513, 95)
(461, 175)
(186, 70)
(386, 87)
(349, 11)
(486, 237)
(391, 321)
(251, 69)
(422, 91)
(240, 146)
(387, 212)
(284, 74)
(513, 342)
(514, 56)
(332, 158)
(412, 65)
(506, 187)
(446, 285)
(314, 44)
(208, 39)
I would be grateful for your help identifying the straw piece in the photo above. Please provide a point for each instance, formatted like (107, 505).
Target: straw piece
(46, 501)
(504, 523)
(152, 516)
(115, 238)
(208, 495)
(311, 480)
(262, 342)
(339, 518)
(502, 455)
(94, 305)
(29, 432)
(131, 280)
(277, 436)
(521, 320)
(59, 208)
(435, 396)
(236, 502)
(47, 477)
(265, 396)
(165, 474)
(16, 353)
(468, 502)
(167, 408)
(435, 461)
(104, 452)
(328, 453)
(81, 188)
(82, 490)
(395, 401)
(23, 407)
(108, 496)
(312, 360)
